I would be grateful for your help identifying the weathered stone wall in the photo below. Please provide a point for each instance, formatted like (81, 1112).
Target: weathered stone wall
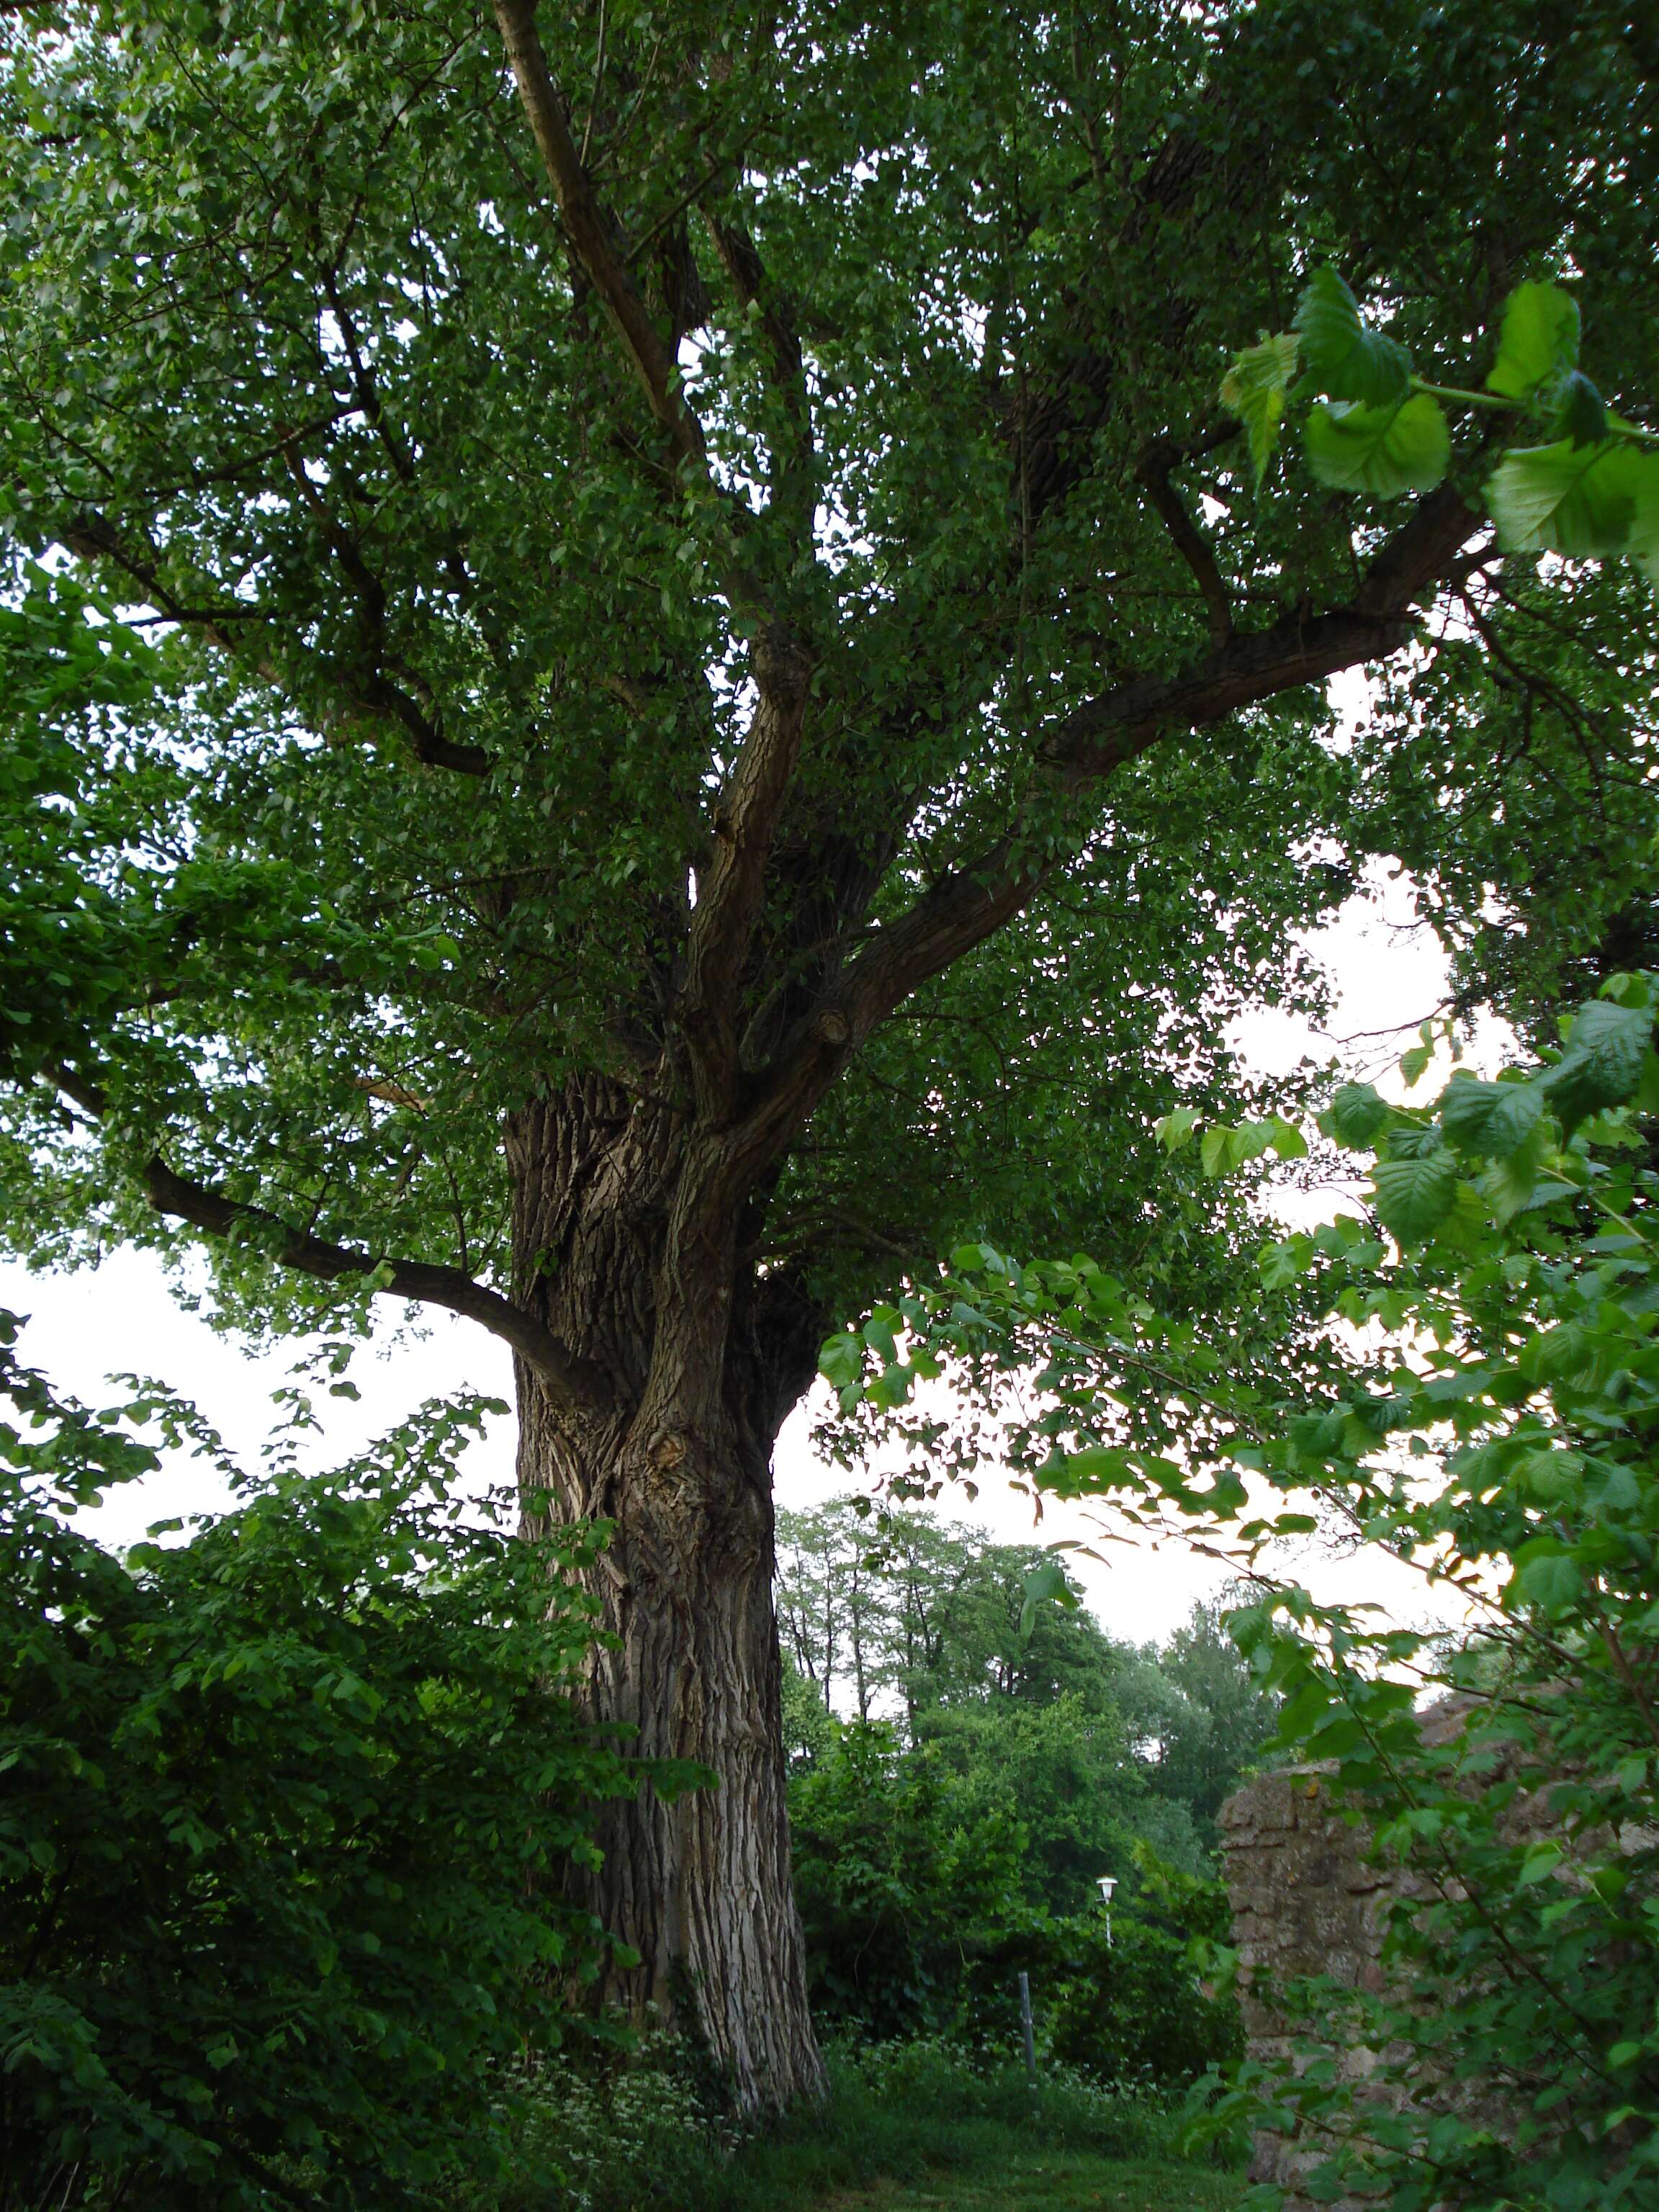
(1305, 1901)
(1308, 1899)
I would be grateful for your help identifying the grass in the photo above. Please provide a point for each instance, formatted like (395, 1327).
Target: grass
(1030, 2182)
(907, 2127)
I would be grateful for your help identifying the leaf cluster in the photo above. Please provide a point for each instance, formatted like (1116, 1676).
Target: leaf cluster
(287, 1802)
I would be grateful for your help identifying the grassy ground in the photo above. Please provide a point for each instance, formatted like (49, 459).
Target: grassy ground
(1069, 2183)
(907, 2127)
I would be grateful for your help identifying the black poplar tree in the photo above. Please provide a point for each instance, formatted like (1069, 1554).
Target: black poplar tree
(720, 704)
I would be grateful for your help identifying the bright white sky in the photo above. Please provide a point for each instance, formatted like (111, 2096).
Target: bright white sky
(123, 1318)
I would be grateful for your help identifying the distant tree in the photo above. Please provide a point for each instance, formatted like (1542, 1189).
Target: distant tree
(1201, 1717)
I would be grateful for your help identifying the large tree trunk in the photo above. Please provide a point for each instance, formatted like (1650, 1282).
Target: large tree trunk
(699, 1885)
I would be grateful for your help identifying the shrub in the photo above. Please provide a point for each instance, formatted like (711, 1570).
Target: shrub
(287, 1805)
(1127, 2012)
(895, 1878)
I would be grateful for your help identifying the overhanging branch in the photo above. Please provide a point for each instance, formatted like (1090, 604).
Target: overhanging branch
(212, 1210)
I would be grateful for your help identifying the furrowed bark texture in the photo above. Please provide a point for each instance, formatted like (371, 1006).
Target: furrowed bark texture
(700, 1887)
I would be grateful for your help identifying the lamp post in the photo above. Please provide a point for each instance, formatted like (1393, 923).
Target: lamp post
(1106, 1883)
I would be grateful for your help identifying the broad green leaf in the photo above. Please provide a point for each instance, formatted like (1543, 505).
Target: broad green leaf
(1541, 1861)
(1356, 1116)
(1346, 359)
(1046, 1585)
(1492, 1119)
(1554, 1582)
(1538, 340)
(880, 1335)
(1606, 1050)
(1173, 1130)
(1414, 1196)
(1223, 1149)
(1586, 501)
(840, 1359)
(1285, 1139)
(1384, 451)
(1214, 1150)
(1282, 1263)
(1255, 390)
(1518, 1180)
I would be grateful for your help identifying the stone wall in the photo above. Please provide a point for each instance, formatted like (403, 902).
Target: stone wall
(1304, 1901)
(1308, 1899)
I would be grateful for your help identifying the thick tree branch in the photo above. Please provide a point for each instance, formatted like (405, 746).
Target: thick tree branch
(212, 1212)
(966, 906)
(589, 232)
(1104, 732)
(733, 889)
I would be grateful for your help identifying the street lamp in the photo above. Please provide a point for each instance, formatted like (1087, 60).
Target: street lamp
(1106, 1883)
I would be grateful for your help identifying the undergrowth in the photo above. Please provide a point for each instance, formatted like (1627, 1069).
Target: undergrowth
(646, 2133)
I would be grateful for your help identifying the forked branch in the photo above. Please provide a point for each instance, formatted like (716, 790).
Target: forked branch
(1103, 735)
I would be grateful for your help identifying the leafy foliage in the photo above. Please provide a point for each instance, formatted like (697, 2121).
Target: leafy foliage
(1500, 1439)
(287, 1803)
(995, 1670)
(895, 1876)
(300, 375)
(1382, 430)
(919, 1919)
(914, 2118)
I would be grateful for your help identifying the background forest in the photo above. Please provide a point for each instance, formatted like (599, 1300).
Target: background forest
(965, 1766)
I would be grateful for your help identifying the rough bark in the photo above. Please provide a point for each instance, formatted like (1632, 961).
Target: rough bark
(698, 1884)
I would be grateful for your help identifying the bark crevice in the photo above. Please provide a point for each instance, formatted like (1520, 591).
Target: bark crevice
(703, 1363)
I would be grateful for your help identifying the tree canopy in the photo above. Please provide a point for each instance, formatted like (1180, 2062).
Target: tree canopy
(454, 593)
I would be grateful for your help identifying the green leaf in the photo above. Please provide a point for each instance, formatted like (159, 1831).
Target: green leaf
(1224, 1149)
(1541, 1861)
(1356, 1116)
(1578, 412)
(1414, 1196)
(1280, 1264)
(1517, 1182)
(840, 1359)
(1347, 360)
(1046, 1585)
(1606, 1050)
(1585, 501)
(1384, 451)
(1492, 1119)
(1553, 1583)
(879, 1334)
(1538, 340)
(1255, 390)
(1176, 1129)
(1285, 1139)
